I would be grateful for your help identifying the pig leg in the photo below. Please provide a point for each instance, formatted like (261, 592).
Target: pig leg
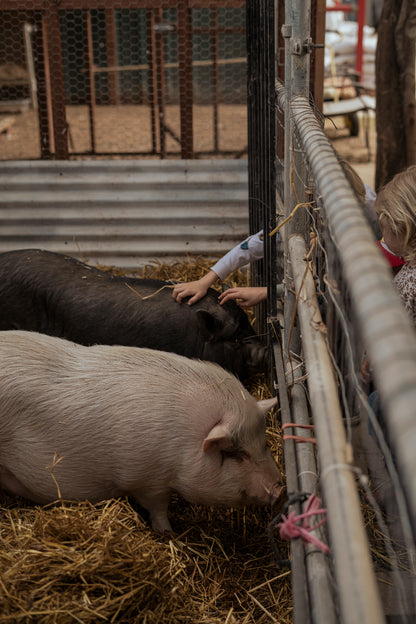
(158, 510)
(12, 485)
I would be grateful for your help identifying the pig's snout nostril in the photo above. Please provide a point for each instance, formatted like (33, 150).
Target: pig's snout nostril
(276, 491)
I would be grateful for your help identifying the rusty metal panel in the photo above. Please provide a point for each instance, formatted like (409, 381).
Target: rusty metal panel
(124, 213)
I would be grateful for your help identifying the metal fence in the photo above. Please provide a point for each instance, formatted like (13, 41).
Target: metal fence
(122, 78)
(338, 304)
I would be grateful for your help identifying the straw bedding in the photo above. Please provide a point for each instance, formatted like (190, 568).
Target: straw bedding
(79, 562)
(89, 563)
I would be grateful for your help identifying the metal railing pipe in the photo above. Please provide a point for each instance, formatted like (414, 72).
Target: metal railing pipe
(387, 331)
(317, 566)
(359, 599)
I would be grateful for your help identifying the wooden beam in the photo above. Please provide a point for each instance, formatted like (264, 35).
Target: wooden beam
(185, 78)
(57, 86)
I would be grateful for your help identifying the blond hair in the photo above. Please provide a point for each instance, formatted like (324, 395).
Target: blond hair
(396, 205)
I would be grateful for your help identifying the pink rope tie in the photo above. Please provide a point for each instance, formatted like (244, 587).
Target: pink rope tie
(289, 529)
(296, 437)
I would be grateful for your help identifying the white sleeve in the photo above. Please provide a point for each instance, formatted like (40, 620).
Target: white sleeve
(252, 248)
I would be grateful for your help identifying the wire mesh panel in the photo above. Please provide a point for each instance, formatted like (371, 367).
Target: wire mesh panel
(120, 78)
(262, 140)
(337, 307)
(353, 292)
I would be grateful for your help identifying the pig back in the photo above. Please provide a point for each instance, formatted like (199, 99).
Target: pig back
(60, 296)
(107, 421)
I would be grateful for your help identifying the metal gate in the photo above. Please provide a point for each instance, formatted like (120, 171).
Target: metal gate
(123, 78)
(338, 302)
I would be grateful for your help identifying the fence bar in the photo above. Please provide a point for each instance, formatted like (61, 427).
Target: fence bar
(296, 31)
(185, 78)
(317, 569)
(160, 82)
(300, 588)
(152, 73)
(111, 45)
(89, 61)
(387, 331)
(298, 17)
(56, 65)
(44, 107)
(261, 142)
(359, 599)
(215, 73)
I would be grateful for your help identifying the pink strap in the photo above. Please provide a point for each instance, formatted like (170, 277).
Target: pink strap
(289, 529)
(295, 437)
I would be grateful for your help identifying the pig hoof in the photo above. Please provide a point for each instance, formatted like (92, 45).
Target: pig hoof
(161, 525)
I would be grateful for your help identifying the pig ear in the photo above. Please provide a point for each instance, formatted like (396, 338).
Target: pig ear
(266, 404)
(219, 438)
(208, 324)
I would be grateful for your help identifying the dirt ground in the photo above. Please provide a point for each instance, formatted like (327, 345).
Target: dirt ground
(121, 129)
(128, 129)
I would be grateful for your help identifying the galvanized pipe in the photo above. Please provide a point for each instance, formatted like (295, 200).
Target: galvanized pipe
(300, 586)
(359, 599)
(317, 568)
(297, 62)
(387, 331)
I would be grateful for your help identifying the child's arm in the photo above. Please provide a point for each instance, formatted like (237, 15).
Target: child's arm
(252, 248)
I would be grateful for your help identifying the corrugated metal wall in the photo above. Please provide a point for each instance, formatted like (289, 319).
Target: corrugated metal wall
(124, 213)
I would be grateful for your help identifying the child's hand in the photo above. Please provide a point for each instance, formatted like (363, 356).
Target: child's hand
(196, 290)
(246, 297)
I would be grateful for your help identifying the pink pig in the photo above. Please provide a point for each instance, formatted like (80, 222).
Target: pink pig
(105, 421)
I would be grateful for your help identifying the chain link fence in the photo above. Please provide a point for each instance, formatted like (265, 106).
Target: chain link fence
(122, 78)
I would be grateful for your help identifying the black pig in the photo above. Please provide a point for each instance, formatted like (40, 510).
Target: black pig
(56, 294)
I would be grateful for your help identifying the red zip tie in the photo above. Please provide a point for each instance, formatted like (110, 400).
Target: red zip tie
(288, 529)
(295, 437)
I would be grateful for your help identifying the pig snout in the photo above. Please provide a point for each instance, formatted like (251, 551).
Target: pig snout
(256, 357)
(266, 486)
(273, 491)
(241, 466)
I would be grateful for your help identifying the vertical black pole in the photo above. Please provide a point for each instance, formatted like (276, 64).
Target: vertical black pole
(260, 28)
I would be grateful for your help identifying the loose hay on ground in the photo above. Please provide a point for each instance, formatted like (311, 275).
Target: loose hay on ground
(87, 563)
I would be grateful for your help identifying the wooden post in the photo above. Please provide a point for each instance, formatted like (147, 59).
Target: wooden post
(44, 108)
(185, 78)
(111, 43)
(161, 88)
(57, 85)
(215, 77)
(152, 75)
(90, 77)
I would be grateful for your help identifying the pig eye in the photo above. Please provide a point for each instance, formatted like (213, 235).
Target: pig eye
(232, 453)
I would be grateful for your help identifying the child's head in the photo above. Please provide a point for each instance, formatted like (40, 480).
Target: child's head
(395, 207)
